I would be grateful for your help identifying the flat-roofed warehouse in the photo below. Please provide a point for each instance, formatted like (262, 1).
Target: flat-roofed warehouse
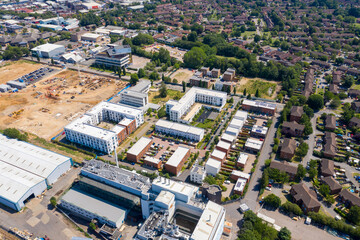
(26, 170)
(137, 151)
(177, 160)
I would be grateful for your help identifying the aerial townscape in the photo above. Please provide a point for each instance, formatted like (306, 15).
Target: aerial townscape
(179, 120)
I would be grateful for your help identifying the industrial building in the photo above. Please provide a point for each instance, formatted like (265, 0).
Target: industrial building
(91, 37)
(179, 130)
(210, 98)
(177, 160)
(137, 95)
(114, 55)
(84, 130)
(90, 207)
(260, 107)
(138, 150)
(48, 50)
(26, 171)
(171, 208)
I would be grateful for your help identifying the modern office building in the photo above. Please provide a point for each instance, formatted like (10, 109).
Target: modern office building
(210, 98)
(48, 50)
(114, 55)
(179, 130)
(85, 131)
(137, 95)
(26, 171)
(177, 160)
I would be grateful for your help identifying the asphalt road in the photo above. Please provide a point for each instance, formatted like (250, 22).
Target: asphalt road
(254, 184)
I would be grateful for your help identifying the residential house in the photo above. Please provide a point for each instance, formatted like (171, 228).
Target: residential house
(292, 129)
(330, 122)
(356, 106)
(291, 170)
(349, 198)
(327, 167)
(296, 113)
(334, 186)
(354, 122)
(305, 198)
(330, 145)
(288, 148)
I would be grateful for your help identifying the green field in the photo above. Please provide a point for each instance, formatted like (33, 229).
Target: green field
(171, 94)
(356, 86)
(264, 88)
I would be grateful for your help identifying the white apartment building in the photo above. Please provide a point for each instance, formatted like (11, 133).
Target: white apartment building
(84, 130)
(136, 96)
(197, 174)
(176, 109)
(179, 130)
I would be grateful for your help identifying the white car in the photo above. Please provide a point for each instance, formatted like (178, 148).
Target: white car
(268, 188)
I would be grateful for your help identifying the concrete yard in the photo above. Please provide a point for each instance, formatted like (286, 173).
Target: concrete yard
(55, 101)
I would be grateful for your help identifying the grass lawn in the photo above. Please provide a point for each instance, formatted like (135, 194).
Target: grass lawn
(207, 124)
(249, 34)
(356, 86)
(253, 84)
(171, 94)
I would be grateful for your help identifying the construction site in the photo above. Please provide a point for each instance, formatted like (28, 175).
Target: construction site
(46, 107)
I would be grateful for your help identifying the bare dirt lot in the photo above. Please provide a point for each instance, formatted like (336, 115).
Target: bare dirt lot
(139, 62)
(55, 101)
(182, 74)
(14, 70)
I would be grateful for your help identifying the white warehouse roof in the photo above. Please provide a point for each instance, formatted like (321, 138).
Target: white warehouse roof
(15, 182)
(94, 205)
(30, 157)
(209, 221)
(47, 47)
(139, 146)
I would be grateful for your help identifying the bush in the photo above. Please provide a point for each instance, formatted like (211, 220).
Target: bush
(16, 134)
(272, 200)
(292, 208)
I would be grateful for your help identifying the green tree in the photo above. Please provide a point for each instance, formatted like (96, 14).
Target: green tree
(16, 134)
(53, 201)
(192, 37)
(134, 79)
(257, 38)
(257, 94)
(335, 103)
(316, 102)
(244, 92)
(301, 172)
(272, 200)
(313, 173)
(194, 58)
(162, 113)
(354, 215)
(92, 225)
(141, 73)
(284, 234)
(184, 86)
(124, 70)
(143, 39)
(324, 190)
(302, 149)
(163, 91)
(154, 76)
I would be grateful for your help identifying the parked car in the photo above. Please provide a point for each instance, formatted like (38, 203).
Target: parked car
(268, 188)
(285, 191)
(227, 182)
